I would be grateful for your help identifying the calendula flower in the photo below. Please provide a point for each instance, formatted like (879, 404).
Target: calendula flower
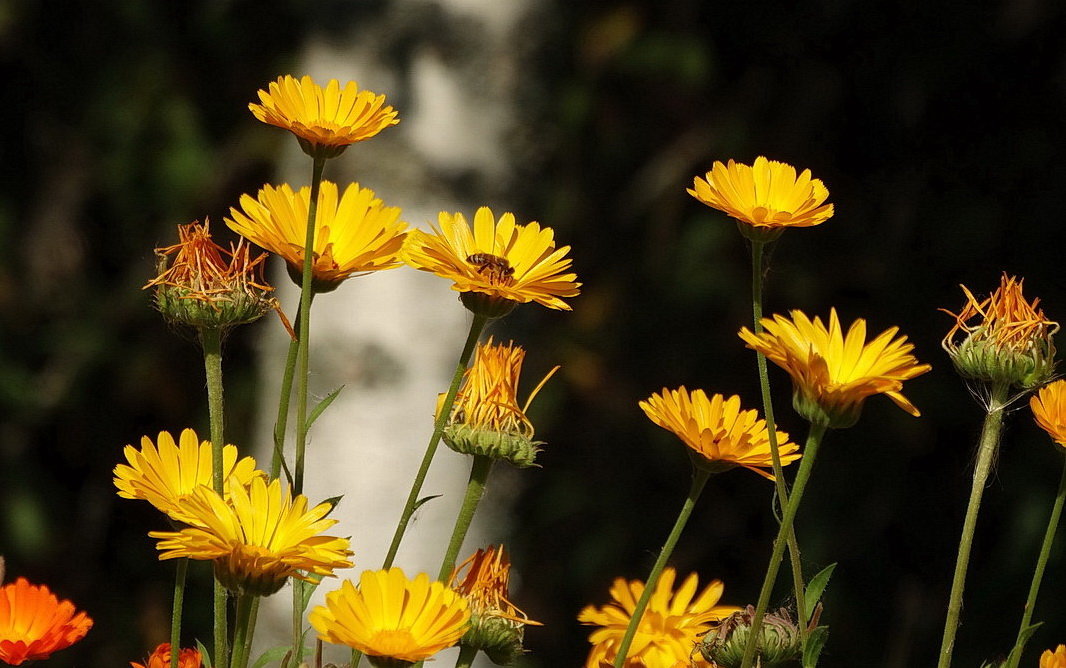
(832, 372)
(668, 632)
(160, 658)
(1056, 659)
(166, 473)
(497, 626)
(496, 264)
(719, 433)
(34, 623)
(766, 198)
(1002, 339)
(355, 233)
(393, 620)
(204, 285)
(323, 119)
(779, 640)
(486, 417)
(1049, 410)
(257, 540)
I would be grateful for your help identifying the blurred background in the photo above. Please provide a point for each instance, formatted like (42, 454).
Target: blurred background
(937, 127)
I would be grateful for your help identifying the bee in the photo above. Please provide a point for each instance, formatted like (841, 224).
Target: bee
(492, 263)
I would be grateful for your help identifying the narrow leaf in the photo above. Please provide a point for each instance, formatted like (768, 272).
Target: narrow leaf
(418, 504)
(815, 642)
(816, 588)
(1023, 637)
(322, 405)
(271, 655)
(205, 656)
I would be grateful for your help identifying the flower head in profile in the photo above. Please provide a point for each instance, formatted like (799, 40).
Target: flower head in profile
(1002, 339)
(1049, 410)
(205, 285)
(779, 642)
(497, 626)
(257, 540)
(765, 198)
(495, 264)
(832, 372)
(1056, 659)
(34, 623)
(669, 630)
(166, 473)
(719, 433)
(486, 417)
(160, 658)
(391, 618)
(355, 233)
(323, 119)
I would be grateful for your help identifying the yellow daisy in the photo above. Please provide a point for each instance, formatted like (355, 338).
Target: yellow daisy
(1056, 659)
(832, 372)
(767, 196)
(502, 262)
(355, 233)
(392, 617)
(1049, 410)
(718, 431)
(330, 117)
(263, 536)
(166, 473)
(668, 632)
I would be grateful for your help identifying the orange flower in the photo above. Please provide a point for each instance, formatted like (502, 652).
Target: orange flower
(34, 623)
(1056, 659)
(1049, 410)
(160, 658)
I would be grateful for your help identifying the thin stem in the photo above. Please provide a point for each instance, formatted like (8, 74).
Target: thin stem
(810, 452)
(1041, 564)
(466, 656)
(253, 616)
(475, 488)
(699, 479)
(757, 271)
(986, 454)
(282, 422)
(211, 342)
(242, 632)
(175, 615)
(476, 328)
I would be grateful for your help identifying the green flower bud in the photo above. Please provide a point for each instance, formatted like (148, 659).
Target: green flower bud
(778, 643)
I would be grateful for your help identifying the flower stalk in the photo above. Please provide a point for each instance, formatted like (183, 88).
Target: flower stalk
(475, 489)
(211, 342)
(175, 615)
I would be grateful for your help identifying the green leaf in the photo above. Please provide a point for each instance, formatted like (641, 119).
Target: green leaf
(1019, 647)
(333, 502)
(815, 642)
(205, 656)
(815, 590)
(273, 654)
(425, 499)
(321, 406)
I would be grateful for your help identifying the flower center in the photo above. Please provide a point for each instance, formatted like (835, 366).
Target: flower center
(497, 269)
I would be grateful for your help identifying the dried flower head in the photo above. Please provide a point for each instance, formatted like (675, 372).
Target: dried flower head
(778, 644)
(1002, 339)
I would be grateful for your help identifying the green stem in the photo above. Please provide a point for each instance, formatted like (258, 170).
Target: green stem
(757, 272)
(242, 631)
(810, 452)
(1041, 564)
(475, 488)
(466, 656)
(476, 328)
(699, 479)
(175, 616)
(211, 341)
(282, 422)
(986, 455)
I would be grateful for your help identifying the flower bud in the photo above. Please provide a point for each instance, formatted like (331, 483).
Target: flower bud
(778, 643)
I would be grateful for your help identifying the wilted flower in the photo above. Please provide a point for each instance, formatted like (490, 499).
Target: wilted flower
(833, 373)
(34, 623)
(160, 658)
(719, 433)
(393, 620)
(1002, 339)
(778, 644)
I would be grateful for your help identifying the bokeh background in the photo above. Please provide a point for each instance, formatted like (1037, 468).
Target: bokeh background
(937, 127)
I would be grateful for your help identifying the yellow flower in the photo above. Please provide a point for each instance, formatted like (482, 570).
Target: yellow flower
(496, 264)
(669, 630)
(355, 232)
(718, 431)
(34, 623)
(496, 625)
(833, 373)
(393, 617)
(486, 418)
(1002, 339)
(1049, 410)
(165, 474)
(208, 286)
(323, 119)
(1056, 659)
(767, 196)
(263, 536)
